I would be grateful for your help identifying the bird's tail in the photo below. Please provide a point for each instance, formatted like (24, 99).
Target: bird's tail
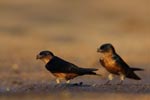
(132, 75)
(90, 71)
(137, 69)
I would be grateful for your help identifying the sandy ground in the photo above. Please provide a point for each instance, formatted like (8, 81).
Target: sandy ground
(74, 91)
(93, 87)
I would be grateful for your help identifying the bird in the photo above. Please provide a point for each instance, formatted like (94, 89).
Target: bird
(115, 65)
(62, 69)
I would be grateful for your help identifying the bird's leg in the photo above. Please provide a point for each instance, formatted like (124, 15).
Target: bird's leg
(67, 84)
(110, 77)
(68, 81)
(122, 77)
(57, 80)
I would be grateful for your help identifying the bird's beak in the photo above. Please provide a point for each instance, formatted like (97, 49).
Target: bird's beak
(99, 50)
(38, 57)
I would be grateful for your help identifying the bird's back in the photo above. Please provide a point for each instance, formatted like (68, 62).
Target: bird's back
(59, 65)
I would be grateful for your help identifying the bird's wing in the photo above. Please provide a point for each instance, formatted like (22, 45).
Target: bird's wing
(62, 66)
(120, 62)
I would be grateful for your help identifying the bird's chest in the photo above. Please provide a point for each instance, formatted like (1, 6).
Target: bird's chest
(109, 64)
(60, 75)
(66, 76)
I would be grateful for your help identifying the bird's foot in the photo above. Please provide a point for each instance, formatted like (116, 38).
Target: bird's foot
(63, 85)
(120, 83)
(57, 85)
(107, 83)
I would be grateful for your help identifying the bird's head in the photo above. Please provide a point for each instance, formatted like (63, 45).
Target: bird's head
(45, 56)
(106, 48)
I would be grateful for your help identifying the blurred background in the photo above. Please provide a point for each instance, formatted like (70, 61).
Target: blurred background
(73, 30)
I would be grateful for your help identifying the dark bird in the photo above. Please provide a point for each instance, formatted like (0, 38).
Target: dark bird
(115, 65)
(62, 69)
